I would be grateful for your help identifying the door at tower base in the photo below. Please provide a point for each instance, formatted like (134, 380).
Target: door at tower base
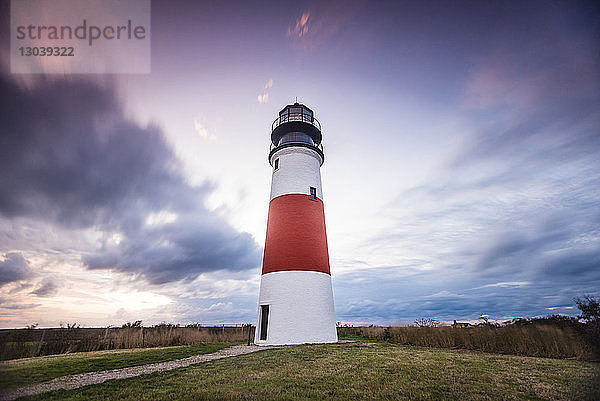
(299, 305)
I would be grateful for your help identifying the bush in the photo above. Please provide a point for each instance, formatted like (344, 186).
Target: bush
(28, 343)
(540, 338)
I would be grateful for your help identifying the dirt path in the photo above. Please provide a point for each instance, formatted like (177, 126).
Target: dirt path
(85, 379)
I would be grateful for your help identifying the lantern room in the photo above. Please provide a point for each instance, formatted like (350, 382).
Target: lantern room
(296, 126)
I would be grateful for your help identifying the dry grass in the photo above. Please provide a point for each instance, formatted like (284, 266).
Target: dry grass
(29, 343)
(531, 340)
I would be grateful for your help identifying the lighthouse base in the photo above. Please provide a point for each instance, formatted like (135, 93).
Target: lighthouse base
(295, 307)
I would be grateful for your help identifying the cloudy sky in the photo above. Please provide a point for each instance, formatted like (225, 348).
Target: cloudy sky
(462, 172)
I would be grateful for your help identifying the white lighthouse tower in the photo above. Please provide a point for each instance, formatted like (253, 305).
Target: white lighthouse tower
(295, 304)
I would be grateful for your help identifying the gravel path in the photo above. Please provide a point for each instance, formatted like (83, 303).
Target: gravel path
(85, 379)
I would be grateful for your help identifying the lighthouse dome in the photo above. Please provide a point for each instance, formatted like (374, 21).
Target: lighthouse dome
(296, 126)
(296, 118)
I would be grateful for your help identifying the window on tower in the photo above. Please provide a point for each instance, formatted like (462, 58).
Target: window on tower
(295, 113)
(308, 115)
(313, 193)
(276, 164)
(296, 137)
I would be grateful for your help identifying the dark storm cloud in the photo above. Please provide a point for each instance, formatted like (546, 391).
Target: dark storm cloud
(19, 306)
(14, 268)
(581, 265)
(7, 303)
(450, 295)
(562, 242)
(179, 250)
(69, 157)
(47, 289)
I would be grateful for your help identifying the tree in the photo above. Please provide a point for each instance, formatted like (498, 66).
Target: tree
(590, 308)
(137, 323)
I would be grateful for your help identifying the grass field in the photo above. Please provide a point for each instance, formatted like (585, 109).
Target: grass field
(21, 372)
(359, 371)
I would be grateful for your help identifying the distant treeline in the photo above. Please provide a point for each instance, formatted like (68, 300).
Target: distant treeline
(22, 343)
(553, 336)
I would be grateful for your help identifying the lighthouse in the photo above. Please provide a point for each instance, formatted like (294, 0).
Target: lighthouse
(295, 303)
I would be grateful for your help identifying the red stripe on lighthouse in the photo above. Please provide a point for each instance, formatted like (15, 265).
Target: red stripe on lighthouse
(296, 237)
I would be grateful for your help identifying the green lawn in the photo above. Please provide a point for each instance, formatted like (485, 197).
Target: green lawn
(20, 372)
(359, 371)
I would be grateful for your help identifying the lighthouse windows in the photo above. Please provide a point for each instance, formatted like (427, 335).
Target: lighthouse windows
(264, 321)
(313, 193)
(276, 164)
(296, 137)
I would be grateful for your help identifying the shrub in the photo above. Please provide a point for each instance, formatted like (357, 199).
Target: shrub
(23, 343)
(537, 338)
